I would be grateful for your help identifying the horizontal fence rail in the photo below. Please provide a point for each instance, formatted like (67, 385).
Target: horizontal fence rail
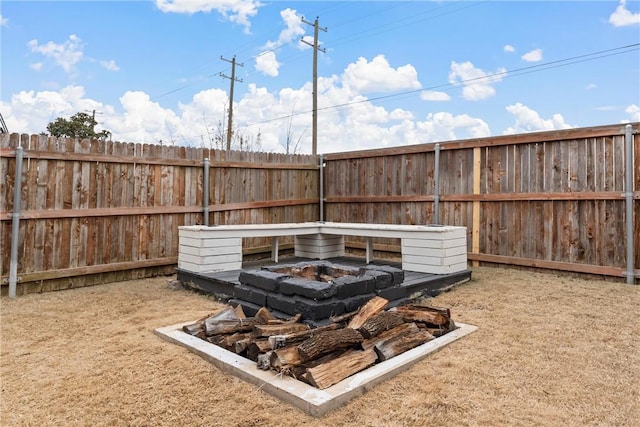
(98, 211)
(552, 200)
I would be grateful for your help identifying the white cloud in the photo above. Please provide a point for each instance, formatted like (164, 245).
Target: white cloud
(236, 11)
(30, 111)
(3, 21)
(591, 86)
(37, 66)
(533, 56)
(293, 27)
(66, 54)
(143, 120)
(267, 64)
(276, 116)
(623, 16)
(110, 65)
(477, 83)
(432, 95)
(309, 42)
(443, 126)
(139, 119)
(379, 76)
(508, 48)
(634, 112)
(528, 120)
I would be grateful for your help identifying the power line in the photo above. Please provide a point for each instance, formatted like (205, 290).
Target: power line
(390, 26)
(477, 80)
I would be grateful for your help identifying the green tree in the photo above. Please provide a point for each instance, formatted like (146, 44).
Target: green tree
(80, 125)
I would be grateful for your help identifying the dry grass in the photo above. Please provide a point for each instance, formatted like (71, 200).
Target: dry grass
(550, 351)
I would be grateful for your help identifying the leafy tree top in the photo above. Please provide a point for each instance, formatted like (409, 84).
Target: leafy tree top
(80, 125)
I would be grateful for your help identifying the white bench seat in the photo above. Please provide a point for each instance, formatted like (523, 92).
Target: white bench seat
(425, 248)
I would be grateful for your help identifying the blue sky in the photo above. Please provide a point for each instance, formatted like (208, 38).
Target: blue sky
(391, 74)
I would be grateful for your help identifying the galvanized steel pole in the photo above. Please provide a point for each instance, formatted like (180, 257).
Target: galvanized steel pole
(628, 140)
(321, 174)
(436, 187)
(15, 225)
(205, 192)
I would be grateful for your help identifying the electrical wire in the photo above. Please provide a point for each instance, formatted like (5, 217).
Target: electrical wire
(413, 19)
(477, 80)
(472, 81)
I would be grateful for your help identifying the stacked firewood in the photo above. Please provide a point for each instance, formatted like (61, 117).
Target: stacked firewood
(328, 354)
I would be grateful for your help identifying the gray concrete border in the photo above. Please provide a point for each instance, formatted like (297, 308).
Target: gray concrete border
(301, 395)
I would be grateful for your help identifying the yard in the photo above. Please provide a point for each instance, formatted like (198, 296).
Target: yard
(550, 350)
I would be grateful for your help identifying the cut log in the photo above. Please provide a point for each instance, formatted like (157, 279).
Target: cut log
(278, 341)
(216, 340)
(420, 313)
(374, 306)
(294, 319)
(330, 373)
(281, 329)
(241, 346)
(402, 329)
(195, 328)
(399, 343)
(229, 341)
(298, 371)
(263, 316)
(327, 341)
(257, 347)
(379, 323)
(263, 362)
(228, 313)
(343, 317)
(285, 357)
(217, 327)
(239, 312)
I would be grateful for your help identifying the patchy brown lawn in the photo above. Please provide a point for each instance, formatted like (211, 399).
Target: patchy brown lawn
(550, 351)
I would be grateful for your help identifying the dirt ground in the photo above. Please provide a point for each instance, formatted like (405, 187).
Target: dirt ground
(550, 351)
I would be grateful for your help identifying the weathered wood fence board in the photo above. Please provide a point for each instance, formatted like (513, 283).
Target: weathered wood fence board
(551, 200)
(96, 211)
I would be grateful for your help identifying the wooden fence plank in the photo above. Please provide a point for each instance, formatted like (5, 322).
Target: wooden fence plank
(547, 197)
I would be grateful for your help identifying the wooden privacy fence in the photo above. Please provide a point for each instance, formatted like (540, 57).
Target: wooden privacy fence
(94, 211)
(551, 200)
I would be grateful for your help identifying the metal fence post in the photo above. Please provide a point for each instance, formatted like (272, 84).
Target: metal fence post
(436, 187)
(15, 224)
(321, 174)
(205, 192)
(628, 139)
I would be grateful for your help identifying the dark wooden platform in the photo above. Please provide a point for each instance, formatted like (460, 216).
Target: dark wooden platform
(221, 284)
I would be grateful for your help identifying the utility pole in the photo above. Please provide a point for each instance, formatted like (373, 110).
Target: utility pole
(316, 48)
(233, 80)
(93, 118)
(3, 125)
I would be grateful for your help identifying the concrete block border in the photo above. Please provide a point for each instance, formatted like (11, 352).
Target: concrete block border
(301, 395)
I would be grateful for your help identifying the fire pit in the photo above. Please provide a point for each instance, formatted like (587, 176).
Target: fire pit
(317, 290)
